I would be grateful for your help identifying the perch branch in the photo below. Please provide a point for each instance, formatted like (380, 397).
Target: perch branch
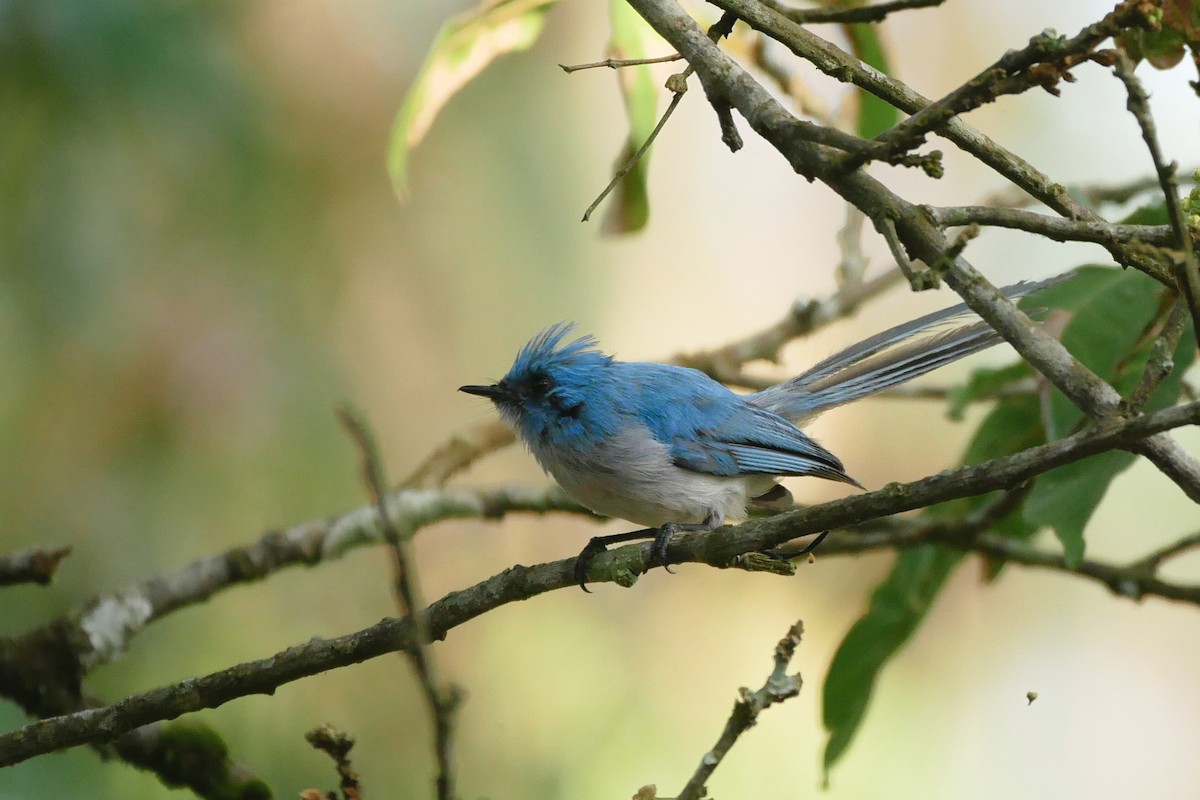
(623, 565)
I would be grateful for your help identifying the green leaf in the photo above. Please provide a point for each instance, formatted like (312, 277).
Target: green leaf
(897, 608)
(984, 383)
(464, 46)
(1151, 214)
(1110, 318)
(1066, 498)
(901, 601)
(630, 207)
(874, 115)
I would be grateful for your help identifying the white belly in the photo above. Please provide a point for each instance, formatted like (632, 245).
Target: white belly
(631, 477)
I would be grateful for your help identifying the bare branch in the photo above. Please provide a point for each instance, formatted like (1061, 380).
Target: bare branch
(845, 67)
(623, 565)
(1043, 62)
(802, 318)
(1187, 268)
(618, 63)
(1055, 228)
(31, 566)
(778, 687)
(1162, 356)
(845, 16)
(337, 745)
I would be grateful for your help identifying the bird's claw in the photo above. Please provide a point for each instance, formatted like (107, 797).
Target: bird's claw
(658, 551)
(593, 548)
(813, 544)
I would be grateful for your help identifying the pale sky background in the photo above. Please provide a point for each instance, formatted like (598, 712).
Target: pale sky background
(589, 697)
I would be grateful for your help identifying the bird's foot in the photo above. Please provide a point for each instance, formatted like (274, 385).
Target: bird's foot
(661, 541)
(593, 548)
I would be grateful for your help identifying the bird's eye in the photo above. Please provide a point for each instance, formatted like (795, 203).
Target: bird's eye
(541, 384)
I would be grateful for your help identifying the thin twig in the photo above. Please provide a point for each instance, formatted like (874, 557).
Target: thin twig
(778, 687)
(677, 84)
(1151, 563)
(1054, 228)
(31, 566)
(635, 158)
(337, 745)
(1162, 357)
(918, 280)
(1186, 266)
(618, 63)
(442, 700)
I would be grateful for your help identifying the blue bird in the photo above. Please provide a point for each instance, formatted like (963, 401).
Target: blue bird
(670, 448)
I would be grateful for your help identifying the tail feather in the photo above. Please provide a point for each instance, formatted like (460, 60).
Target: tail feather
(885, 360)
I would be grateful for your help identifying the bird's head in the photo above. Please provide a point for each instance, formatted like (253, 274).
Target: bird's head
(554, 391)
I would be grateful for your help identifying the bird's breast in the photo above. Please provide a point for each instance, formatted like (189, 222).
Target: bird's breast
(631, 476)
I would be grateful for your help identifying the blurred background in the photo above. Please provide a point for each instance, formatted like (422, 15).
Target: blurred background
(200, 254)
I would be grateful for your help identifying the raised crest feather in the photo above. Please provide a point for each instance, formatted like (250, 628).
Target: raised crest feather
(548, 346)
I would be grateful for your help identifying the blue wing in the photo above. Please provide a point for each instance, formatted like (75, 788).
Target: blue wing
(710, 429)
(752, 441)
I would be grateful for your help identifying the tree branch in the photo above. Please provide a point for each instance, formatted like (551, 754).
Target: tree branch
(667, 18)
(721, 76)
(778, 687)
(846, 16)
(1097, 231)
(31, 566)
(717, 548)
(1187, 271)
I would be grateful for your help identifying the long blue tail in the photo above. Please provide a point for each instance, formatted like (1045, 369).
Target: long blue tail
(885, 360)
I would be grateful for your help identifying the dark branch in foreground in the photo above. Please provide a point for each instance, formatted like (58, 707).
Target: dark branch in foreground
(725, 79)
(719, 548)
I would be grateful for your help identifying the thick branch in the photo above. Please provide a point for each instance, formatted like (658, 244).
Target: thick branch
(665, 16)
(846, 16)
(720, 75)
(717, 548)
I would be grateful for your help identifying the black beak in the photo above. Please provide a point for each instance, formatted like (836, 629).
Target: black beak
(493, 392)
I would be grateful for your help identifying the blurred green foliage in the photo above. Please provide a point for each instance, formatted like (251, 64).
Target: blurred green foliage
(164, 271)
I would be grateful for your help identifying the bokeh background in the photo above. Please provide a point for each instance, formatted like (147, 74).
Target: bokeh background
(200, 254)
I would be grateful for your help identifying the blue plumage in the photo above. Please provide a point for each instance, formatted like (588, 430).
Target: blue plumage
(670, 448)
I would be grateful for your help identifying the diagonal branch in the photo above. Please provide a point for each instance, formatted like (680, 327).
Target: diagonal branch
(847, 16)
(721, 76)
(778, 687)
(717, 548)
(31, 566)
(1187, 269)
(673, 24)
